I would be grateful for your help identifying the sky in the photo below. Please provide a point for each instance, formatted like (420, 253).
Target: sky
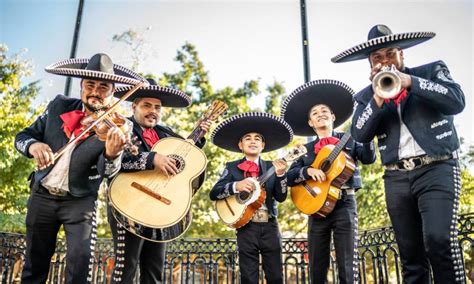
(243, 40)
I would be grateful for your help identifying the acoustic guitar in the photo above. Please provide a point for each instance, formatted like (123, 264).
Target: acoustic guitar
(237, 210)
(155, 206)
(313, 197)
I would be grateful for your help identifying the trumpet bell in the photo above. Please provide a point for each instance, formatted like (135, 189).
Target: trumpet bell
(387, 84)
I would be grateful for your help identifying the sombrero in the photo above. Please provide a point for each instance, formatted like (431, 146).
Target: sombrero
(335, 94)
(168, 97)
(276, 132)
(98, 67)
(380, 36)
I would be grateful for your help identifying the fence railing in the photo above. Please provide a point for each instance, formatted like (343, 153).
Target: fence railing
(216, 260)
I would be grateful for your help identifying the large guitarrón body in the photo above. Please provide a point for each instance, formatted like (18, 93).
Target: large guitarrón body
(150, 199)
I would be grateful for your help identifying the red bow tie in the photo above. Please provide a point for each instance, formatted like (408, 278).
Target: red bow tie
(323, 142)
(150, 136)
(398, 98)
(251, 169)
(72, 123)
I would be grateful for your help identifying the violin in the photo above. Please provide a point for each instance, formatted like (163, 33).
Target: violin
(100, 118)
(113, 120)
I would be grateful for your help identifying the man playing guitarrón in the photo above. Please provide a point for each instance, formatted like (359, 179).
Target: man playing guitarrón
(131, 249)
(253, 133)
(316, 108)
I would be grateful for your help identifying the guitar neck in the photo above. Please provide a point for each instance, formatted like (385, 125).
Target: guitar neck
(268, 174)
(340, 145)
(196, 134)
(211, 114)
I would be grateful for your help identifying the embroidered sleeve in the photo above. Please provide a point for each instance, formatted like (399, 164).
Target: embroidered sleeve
(432, 86)
(137, 164)
(22, 145)
(366, 114)
(284, 186)
(112, 167)
(223, 187)
(439, 89)
(301, 176)
(226, 192)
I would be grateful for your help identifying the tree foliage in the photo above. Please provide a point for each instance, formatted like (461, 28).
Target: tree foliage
(16, 112)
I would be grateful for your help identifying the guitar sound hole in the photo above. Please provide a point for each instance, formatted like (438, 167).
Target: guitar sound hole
(180, 163)
(243, 196)
(325, 166)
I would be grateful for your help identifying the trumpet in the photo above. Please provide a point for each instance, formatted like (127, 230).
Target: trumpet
(387, 84)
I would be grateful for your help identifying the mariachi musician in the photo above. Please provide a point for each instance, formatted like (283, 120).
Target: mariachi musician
(253, 133)
(64, 190)
(130, 249)
(412, 118)
(315, 109)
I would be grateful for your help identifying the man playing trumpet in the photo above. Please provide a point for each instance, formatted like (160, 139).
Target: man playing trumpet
(417, 142)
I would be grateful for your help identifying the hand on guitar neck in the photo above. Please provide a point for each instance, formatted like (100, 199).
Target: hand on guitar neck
(280, 166)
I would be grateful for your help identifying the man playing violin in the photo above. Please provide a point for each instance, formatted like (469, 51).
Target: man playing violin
(327, 103)
(131, 249)
(64, 190)
(251, 134)
(418, 145)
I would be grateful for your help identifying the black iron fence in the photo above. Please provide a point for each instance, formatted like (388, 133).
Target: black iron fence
(215, 260)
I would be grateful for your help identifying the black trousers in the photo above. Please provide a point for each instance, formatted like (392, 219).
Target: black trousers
(423, 205)
(132, 251)
(342, 222)
(45, 216)
(253, 240)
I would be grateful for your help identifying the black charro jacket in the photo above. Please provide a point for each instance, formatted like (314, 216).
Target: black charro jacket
(88, 165)
(433, 99)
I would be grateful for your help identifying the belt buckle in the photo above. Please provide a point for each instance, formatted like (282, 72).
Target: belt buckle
(260, 216)
(57, 192)
(409, 164)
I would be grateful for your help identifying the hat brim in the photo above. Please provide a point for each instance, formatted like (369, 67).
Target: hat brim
(75, 67)
(168, 97)
(275, 131)
(363, 50)
(335, 94)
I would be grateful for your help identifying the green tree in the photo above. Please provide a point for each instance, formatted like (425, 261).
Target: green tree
(16, 113)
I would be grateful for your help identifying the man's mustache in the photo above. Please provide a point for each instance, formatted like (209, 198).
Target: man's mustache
(96, 97)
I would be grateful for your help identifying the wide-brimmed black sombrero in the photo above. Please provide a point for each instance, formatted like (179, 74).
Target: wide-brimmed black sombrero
(275, 131)
(98, 67)
(168, 97)
(380, 36)
(335, 94)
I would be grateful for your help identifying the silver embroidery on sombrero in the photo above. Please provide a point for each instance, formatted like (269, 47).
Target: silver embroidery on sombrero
(58, 68)
(384, 39)
(310, 84)
(251, 114)
(157, 88)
